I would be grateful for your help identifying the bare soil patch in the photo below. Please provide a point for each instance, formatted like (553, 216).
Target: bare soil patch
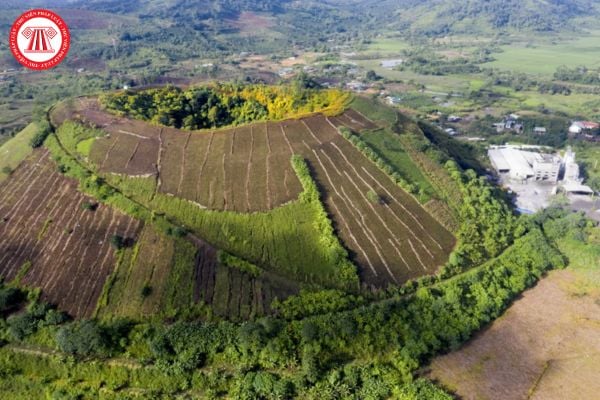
(546, 346)
(48, 240)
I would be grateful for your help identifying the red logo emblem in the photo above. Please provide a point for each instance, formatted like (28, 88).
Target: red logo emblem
(39, 39)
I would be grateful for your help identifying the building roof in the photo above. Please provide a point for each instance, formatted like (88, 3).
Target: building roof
(520, 163)
(577, 188)
(586, 124)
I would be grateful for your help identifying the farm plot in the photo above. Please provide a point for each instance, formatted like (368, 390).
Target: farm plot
(391, 237)
(245, 169)
(163, 275)
(48, 240)
(354, 120)
(237, 295)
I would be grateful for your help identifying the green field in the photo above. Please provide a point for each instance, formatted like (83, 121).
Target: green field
(589, 157)
(386, 144)
(543, 58)
(15, 150)
(388, 45)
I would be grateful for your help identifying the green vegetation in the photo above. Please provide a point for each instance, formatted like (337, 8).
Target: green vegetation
(546, 57)
(305, 250)
(223, 104)
(390, 169)
(236, 262)
(44, 229)
(117, 242)
(78, 139)
(487, 225)
(16, 282)
(377, 113)
(15, 150)
(366, 352)
(386, 143)
(309, 303)
(589, 157)
(43, 130)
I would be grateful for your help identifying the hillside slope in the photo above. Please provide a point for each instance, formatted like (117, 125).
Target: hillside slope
(442, 17)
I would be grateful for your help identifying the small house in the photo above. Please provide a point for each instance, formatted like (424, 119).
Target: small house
(539, 130)
(583, 127)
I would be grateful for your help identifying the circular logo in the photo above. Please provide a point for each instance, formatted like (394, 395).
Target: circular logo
(39, 39)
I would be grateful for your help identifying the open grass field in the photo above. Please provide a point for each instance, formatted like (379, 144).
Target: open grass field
(15, 150)
(387, 145)
(574, 104)
(546, 345)
(247, 169)
(543, 57)
(385, 45)
(588, 154)
(49, 240)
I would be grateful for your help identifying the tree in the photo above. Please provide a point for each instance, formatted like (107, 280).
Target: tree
(82, 338)
(373, 76)
(146, 291)
(88, 206)
(117, 242)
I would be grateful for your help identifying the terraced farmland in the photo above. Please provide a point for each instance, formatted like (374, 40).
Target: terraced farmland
(163, 275)
(247, 169)
(48, 240)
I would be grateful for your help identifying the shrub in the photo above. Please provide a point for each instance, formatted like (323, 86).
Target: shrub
(82, 338)
(9, 298)
(146, 291)
(89, 206)
(43, 131)
(117, 242)
(20, 326)
(373, 197)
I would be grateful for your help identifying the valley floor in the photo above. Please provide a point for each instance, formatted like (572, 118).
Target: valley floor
(546, 346)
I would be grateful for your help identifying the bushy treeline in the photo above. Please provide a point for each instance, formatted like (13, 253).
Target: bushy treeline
(43, 130)
(487, 223)
(579, 74)
(328, 240)
(425, 62)
(369, 351)
(384, 166)
(23, 313)
(222, 104)
(232, 261)
(309, 303)
(395, 335)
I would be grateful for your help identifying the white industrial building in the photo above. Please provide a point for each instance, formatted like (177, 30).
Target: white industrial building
(521, 165)
(537, 177)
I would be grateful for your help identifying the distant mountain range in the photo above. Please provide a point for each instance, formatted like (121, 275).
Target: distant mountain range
(414, 17)
(441, 17)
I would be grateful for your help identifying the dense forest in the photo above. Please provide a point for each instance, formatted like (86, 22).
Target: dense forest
(222, 104)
